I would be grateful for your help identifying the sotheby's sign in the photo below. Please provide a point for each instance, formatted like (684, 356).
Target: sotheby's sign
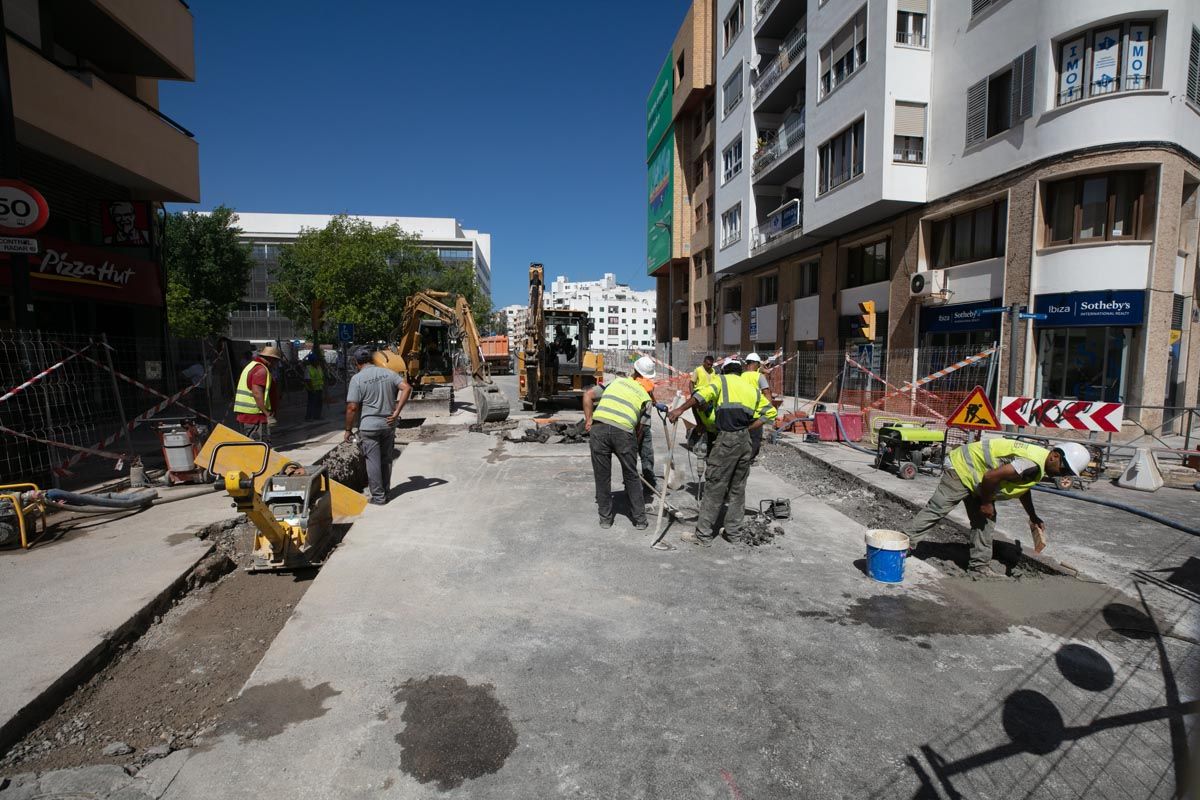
(1092, 308)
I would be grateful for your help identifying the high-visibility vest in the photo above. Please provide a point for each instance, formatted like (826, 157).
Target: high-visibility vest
(316, 378)
(243, 398)
(735, 403)
(972, 460)
(702, 377)
(622, 404)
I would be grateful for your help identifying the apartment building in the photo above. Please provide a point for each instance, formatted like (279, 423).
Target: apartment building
(91, 139)
(940, 157)
(514, 319)
(257, 319)
(680, 130)
(623, 318)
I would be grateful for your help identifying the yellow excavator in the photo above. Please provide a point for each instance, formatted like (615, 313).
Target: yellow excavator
(434, 340)
(554, 364)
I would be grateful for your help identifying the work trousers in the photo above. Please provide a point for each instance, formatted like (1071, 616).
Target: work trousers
(646, 455)
(605, 442)
(755, 442)
(378, 449)
(258, 431)
(950, 491)
(315, 402)
(725, 473)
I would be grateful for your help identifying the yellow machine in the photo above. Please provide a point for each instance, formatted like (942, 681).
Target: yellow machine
(432, 337)
(555, 364)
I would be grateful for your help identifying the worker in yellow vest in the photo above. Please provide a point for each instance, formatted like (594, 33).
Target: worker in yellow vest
(753, 375)
(257, 395)
(982, 473)
(314, 385)
(702, 375)
(614, 424)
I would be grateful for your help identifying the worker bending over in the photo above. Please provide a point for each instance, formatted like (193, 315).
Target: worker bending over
(754, 376)
(982, 473)
(614, 422)
(257, 395)
(737, 408)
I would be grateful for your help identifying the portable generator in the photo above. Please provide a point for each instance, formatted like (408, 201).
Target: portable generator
(180, 440)
(907, 448)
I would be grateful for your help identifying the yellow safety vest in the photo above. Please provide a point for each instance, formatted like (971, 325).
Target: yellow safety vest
(735, 403)
(622, 404)
(702, 377)
(316, 378)
(243, 398)
(972, 460)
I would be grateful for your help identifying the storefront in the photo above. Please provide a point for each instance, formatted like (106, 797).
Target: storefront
(1087, 345)
(960, 326)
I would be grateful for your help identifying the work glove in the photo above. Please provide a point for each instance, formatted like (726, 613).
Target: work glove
(661, 407)
(271, 420)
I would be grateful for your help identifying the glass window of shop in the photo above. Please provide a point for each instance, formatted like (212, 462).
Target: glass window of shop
(1084, 363)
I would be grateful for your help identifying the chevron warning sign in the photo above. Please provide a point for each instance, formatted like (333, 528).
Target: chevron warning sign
(1078, 415)
(974, 413)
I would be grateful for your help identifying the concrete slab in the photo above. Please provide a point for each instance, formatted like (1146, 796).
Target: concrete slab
(481, 634)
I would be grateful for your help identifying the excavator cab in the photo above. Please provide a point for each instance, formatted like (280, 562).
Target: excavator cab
(435, 361)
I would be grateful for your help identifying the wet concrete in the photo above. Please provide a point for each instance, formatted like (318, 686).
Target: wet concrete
(266, 710)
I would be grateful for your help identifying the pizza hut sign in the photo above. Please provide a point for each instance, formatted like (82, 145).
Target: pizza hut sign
(68, 268)
(60, 263)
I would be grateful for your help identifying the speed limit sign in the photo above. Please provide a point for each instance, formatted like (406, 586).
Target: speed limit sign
(23, 210)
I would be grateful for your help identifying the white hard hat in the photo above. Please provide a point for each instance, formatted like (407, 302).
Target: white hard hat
(645, 366)
(1075, 456)
(754, 357)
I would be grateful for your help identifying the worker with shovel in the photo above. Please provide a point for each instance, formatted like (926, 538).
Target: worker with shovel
(982, 473)
(614, 426)
(737, 408)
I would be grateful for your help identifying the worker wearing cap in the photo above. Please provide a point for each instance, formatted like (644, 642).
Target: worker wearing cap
(314, 385)
(737, 408)
(257, 395)
(374, 399)
(982, 473)
(752, 374)
(614, 424)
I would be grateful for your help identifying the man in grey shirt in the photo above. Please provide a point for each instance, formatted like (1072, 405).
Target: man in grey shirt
(379, 395)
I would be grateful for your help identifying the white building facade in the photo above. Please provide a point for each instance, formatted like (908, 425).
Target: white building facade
(623, 317)
(514, 320)
(1042, 154)
(257, 320)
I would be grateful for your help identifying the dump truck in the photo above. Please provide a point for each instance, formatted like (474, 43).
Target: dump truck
(496, 354)
(554, 364)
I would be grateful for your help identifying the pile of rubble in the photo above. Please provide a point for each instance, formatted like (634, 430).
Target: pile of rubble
(554, 433)
(758, 530)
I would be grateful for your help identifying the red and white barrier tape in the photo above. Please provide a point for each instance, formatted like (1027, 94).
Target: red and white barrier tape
(933, 376)
(861, 368)
(16, 390)
(91, 451)
(139, 384)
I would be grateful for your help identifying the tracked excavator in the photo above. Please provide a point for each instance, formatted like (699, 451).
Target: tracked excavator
(434, 341)
(554, 364)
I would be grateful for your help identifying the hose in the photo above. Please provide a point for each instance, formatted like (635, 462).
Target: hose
(1150, 515)
(108, 500)
(846, 439)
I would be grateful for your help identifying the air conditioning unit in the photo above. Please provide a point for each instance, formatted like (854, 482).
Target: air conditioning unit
(928, 283)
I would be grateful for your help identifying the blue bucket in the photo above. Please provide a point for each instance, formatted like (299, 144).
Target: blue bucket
(885, 555)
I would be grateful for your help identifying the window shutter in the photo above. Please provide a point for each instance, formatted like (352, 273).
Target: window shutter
(1022, 85)
(977, 112)
(843, 41)
(979, 5)
(910, 119)
(1193, 82)
(913, 6)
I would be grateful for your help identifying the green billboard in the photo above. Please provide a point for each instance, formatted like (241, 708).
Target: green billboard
(660, 172)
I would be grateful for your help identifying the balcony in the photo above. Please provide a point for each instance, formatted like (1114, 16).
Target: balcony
(778, 83)
(133, 37)
(782, 225)
(80, 119)
(774, 18)
(783, 155)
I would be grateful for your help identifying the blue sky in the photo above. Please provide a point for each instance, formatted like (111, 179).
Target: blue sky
(524, 119)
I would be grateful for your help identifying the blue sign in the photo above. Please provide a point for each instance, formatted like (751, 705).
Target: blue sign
(345, 331)
(1119, 308)
(961, 317)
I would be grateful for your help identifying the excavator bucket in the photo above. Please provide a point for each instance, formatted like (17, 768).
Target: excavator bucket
(490, 403)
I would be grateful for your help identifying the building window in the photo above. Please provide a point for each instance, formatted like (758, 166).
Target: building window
(733, 298)
(698, 123)
(845, 53)
(697, 310)
(807, 283)
(679, 68)
(1114, 58)
(841, 158)
(868, 264)
(1000, 101)
(768, 289)
(731, 160)
(731, 225)
(733, 26)
(972, 235)
(1094, 208)
(732, 92)
(912, 23)
(1081, 363)
(1193, 80)
(979, 6)
(909, 142)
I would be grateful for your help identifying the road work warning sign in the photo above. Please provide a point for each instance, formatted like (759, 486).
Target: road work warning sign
(974, 413)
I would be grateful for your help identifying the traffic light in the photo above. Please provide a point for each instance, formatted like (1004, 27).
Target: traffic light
(867, 319)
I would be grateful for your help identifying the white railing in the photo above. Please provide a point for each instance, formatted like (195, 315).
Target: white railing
(762, 8)
(909, 155)
(786, 142)
(782, 224)
(792, 52)
(912, 38)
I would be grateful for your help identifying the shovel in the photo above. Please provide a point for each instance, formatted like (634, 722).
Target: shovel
(668, 476)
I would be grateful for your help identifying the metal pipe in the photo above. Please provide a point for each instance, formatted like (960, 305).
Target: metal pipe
(106, 500)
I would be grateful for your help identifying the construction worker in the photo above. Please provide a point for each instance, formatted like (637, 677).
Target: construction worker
(752, 374)
(314, 384)
(614, 425)
(257, 395)
(980, 474)
(646, 438)
(737, 408)
(374, 399)
(703, 374)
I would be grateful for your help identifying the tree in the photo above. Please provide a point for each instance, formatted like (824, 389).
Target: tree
(352, 271)
(207, 271)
